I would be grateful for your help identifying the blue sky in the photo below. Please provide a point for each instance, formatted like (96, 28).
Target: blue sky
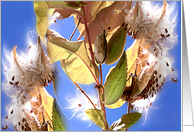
(18, 19)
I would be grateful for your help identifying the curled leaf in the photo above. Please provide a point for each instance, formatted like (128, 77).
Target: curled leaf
(58, 47)
(74, 59)
(41, 9)
(115, 82)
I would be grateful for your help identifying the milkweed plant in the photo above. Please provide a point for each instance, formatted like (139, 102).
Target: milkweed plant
(138, 74)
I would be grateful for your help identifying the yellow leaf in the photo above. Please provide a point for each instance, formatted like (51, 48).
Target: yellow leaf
(78, 70)
(76, 62)
(41, 9)
(118, 104)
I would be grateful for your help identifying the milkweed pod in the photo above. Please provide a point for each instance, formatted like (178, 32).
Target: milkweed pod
(116, 45)
(100, 50)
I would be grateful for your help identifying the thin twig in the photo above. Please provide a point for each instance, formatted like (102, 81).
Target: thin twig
(75, 29)
(88, 35)
(102, 105)
(82, 91)
(101, 74)
(128, 108)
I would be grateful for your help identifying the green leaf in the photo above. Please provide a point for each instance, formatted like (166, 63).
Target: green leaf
(115, 82)
(97, 116)
(58, 118)
(125, 121)
(74, 58)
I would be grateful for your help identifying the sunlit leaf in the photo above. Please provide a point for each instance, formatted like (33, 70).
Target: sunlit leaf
(118, 104)
(41, 9)
(58, 118)
(108, 18)
(63, 5)
(115, 82)
(74, 59)
(97, 116)
(125, 121)
(58, 47)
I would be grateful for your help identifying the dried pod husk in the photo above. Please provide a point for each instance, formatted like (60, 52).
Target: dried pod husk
(100, 51)
(116, 45)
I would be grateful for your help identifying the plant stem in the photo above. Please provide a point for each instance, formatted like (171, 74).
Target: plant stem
(74, 30)
(88, 35)
(101, 74)
(102, 105)
(128, 108)
(82, 91)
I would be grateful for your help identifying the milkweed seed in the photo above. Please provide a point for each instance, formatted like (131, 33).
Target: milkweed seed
(16, 83)
(12, 78)
(166, 31)
(5, 127)
(11, 83)
(167, 64)
(168, 35)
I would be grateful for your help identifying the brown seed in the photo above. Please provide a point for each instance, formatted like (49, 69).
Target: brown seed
(16, 83)
(152, 88)
(174, 80)
(29, 47)
(19, 123)
(168, 35)
(162, 35)
(79, 105)
(5, 127)
(156, 79)
(166, 31)
(172, 69)
(11, 112)
(160, 76)
(24, 120)
(108, 28)
(26, 129)
(26, 125)
(148, 63)
(22, 127)
(31, 111)
(157, 85)
(167, 64)
(155, 72)
(6, 117)
(12, 78)
(11, 83)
